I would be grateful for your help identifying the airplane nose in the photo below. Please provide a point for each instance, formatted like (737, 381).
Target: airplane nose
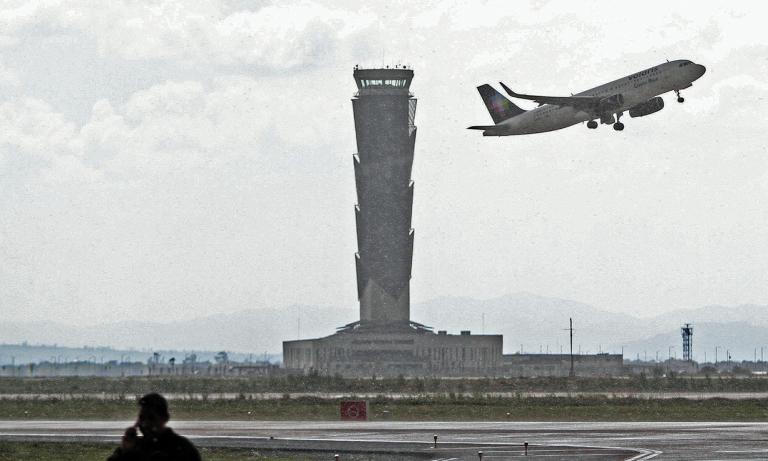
(701, 69)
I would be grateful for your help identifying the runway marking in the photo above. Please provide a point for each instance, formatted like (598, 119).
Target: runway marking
(649, 454)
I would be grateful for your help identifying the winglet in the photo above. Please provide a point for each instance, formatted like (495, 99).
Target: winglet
(509, 92)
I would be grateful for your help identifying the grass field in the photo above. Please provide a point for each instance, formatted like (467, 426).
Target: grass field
(50, 451)
(446, 408)
(317, 383)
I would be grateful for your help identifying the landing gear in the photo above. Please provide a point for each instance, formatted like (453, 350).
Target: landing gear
(591, 124)
(618, 126)
(680, 99)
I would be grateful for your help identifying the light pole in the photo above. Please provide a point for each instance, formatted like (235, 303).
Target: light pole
(716, 348)
(669, 358)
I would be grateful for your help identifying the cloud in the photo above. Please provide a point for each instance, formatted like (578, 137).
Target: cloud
(206, 165)
(276, 37)
(181, 175)
(9, 78)
(31, 128)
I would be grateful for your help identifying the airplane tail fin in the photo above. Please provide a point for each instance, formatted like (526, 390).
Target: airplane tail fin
(498, 106)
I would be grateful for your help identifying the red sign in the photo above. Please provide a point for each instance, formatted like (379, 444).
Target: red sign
(354, 410)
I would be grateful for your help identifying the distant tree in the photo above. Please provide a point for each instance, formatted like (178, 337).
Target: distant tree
(221, 357)
(737, 370)
(708, 370)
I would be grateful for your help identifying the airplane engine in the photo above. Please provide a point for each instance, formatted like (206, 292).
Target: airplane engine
(611, 103)
(646, 108)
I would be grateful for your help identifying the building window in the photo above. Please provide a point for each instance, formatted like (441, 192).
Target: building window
(368, 83)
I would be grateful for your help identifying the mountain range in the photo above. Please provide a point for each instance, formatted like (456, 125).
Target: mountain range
(529, 322)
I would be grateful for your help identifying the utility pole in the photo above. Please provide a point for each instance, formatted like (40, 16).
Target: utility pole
(572, 373)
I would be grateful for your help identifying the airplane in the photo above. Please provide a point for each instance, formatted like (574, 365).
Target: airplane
(637, 93)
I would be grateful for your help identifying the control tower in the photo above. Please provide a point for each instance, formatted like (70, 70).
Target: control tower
(384, 341)
(384, 111)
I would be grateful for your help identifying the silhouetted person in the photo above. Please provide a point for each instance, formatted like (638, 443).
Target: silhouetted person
(158, 441)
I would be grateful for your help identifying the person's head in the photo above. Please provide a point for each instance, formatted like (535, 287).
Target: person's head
(153, 414)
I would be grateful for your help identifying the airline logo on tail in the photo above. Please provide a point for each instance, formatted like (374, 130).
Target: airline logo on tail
(499, 107)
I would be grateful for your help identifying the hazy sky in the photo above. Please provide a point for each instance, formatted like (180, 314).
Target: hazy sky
(178, 158)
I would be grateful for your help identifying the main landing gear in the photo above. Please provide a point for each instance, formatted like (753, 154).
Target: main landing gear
(680, 99)
(618, 126)
(608, 119)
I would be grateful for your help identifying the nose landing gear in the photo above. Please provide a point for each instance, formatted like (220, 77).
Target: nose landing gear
(591, 124)
(680, 99)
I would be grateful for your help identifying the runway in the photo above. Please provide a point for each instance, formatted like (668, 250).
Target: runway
(661, 395)
(456, 440)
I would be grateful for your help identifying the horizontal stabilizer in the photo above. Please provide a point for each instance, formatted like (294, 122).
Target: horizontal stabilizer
(481, 127)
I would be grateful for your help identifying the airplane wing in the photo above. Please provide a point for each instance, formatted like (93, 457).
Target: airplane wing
(579, 102)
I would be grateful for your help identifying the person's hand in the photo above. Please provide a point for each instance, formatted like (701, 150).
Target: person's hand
(130, 438)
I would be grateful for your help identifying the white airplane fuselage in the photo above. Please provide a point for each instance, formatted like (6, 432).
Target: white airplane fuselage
(635, 89)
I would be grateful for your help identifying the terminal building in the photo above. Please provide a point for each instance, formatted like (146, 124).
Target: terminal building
(385, 341)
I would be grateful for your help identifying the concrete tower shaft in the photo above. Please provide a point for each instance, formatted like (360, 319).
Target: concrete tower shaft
(384, 112)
